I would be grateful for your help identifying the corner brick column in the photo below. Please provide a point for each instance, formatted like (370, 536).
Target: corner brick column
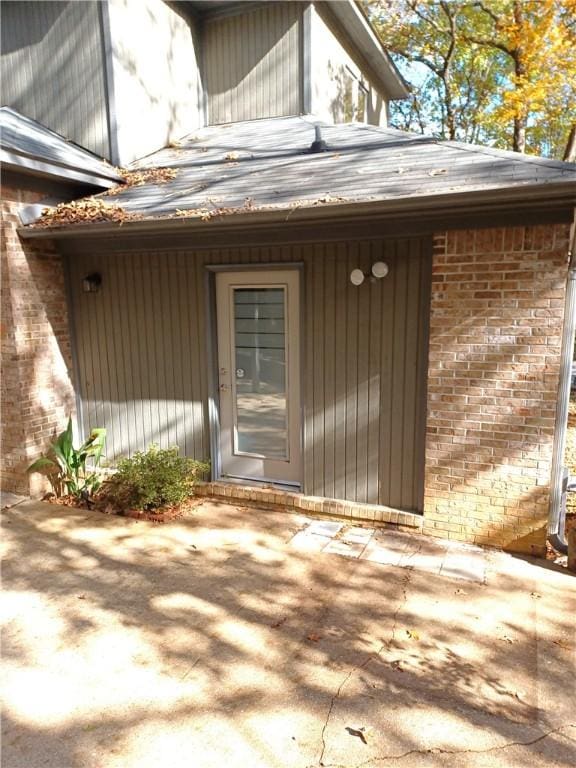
(37, 394)
(495, 335)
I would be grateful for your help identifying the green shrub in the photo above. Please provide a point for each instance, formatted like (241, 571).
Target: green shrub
(65, 465)
(156, 478)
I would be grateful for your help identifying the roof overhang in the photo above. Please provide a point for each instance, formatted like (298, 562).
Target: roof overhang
(24, 163)
(513, 207)
(362, 35)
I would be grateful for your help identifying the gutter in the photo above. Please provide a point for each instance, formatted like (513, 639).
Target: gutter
(557, 509)
(534, 197)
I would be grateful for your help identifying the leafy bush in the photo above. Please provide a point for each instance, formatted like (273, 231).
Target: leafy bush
(65, 465)
(156, 478)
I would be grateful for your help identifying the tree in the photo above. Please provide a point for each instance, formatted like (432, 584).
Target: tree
(499, 72)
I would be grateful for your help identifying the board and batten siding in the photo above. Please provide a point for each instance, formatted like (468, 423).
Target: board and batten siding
(141, 353)
(53, 68)
(252, 64)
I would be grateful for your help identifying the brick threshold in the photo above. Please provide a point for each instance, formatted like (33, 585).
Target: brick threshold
(293, 501)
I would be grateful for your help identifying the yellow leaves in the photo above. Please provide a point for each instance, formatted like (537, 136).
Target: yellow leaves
(512, 63)
(138, 178)
(87, 211)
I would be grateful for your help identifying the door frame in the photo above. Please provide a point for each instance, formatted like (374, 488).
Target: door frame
(212, 362)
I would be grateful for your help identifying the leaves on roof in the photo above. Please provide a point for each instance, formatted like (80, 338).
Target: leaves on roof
(90, 210)
(138, 178)
(94, 210)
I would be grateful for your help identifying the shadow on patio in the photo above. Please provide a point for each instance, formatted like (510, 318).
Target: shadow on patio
(207, 641)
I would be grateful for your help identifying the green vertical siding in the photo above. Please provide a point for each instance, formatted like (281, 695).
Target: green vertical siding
(53, 65)
(142, 357)
(252, 64)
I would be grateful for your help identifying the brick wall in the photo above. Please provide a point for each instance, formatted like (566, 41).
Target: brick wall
(36, 388)
(496, 326)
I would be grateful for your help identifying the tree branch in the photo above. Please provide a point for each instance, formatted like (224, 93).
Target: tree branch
(488, 43)
(487, 11)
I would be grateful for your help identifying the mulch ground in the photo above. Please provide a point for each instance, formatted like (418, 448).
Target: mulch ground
(103, 504)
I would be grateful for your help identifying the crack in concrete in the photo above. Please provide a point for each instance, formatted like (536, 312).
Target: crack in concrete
(401, 603)
(439, 751)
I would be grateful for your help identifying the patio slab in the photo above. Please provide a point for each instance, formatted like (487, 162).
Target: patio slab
(214, 641)
(389, 547)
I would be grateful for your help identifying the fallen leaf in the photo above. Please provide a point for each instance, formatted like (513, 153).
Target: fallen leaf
(81, 597)
(412, 634)
(314, 637)
(562, 644)
(364, 733)
(89, 210)
(460, 592)
(397, 665)
(535, 595)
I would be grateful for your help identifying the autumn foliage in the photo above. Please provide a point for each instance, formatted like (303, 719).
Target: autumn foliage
(499, 72)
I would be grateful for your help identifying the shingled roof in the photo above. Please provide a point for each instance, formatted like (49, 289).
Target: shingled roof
(268, 165)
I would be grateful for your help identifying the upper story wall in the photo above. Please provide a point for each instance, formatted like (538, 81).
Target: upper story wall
(340, 87)
(124, 78)
(155, 76)
(120, 78)
(252, 63)
(286, 58)
(53, 68)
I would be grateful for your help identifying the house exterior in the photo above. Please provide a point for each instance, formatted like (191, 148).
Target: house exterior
(341, 317)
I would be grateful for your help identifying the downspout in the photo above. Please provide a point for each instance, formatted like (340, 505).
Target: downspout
(557, 511)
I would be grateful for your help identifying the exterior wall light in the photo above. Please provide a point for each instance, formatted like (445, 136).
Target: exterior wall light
(357, 277)
(378, 271)
(92, 283)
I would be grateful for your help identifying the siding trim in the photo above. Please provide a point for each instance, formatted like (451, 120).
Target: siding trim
(78, 419)
(109, 92)
(212, 368)
(422, 375)
(306, 60)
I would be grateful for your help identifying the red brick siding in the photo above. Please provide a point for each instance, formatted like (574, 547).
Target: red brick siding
(495, 334)
(36, 389)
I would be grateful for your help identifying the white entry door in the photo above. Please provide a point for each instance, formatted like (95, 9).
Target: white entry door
(259, 374)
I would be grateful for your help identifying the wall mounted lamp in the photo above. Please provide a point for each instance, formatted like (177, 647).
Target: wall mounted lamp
(92, 283)
(378, 271)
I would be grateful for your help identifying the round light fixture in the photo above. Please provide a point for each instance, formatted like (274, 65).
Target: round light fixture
(356, 277)
(379, 269)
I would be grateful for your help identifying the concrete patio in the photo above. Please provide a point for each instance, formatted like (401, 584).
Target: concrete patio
(262, 639)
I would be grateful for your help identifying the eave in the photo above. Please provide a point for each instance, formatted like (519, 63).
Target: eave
(16, 161)
(538, 204)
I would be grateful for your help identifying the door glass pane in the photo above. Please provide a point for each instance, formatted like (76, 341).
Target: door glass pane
(260, 355)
